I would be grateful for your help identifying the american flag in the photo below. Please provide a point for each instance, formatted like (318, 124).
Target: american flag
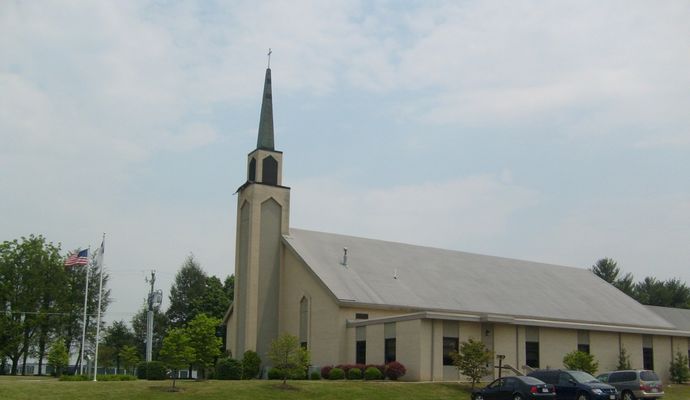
(78, 258)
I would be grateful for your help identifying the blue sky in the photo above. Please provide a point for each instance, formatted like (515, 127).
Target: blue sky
(555, 132)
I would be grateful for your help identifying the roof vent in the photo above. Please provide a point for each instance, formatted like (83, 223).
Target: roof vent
(344, 262)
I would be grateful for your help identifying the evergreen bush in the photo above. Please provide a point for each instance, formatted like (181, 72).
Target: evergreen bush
(251, 365)
(372, 374)
(315, 376)
(228, 369)
(336, 374)
(354, 373)
(153, 371)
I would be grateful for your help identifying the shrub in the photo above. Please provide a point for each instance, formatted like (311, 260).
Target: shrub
(228, 369)
(315, 376)
(380, 367)
(275, 373)
(373, 373)
(325, 371)
(395, 370)
(581, 361)
(153, 371)
(354, 373)
(336, 374)
(679, 368)
(251, 365)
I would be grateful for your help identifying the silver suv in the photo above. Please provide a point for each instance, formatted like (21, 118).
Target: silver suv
(634, 384)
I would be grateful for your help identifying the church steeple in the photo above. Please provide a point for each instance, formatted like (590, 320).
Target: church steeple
(265, 139)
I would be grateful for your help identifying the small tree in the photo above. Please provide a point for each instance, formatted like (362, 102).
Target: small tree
(581, 361)
(177, 352)
(472, 360)
(623, 360)
(288, 357)
(58, 357)
(129, 357)
(679, 368)
(202, 333)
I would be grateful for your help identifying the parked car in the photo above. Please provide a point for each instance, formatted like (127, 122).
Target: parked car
(515, 388)
(634, 384)
(576, 385)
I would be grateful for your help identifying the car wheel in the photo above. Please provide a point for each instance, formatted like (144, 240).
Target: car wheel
(582, 396)
(628, 396)
(477, 396)
(517, 396)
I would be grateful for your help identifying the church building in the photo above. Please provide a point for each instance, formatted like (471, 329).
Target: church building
(356, 300)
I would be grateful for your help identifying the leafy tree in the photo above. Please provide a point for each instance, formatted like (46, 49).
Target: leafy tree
(186, 292)
(160, 326)
(580, 361)
(670, 293)
(202, 332)
(623, 360)
(679, 368)
(472, 360)
(607, 269)
(214, 302)
(177, 351)
(129, 355)
(117, 336)
(229, 287)
(288, 357)
(58, 357)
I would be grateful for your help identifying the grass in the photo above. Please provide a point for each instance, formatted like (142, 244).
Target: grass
(31, 388)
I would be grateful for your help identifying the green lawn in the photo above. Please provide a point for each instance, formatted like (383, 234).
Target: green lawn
(30, 388)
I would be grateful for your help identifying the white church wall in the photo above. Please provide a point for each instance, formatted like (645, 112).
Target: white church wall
(604, 347)
(554, 344)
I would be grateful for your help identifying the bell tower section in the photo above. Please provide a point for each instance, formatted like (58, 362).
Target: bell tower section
(263, 205)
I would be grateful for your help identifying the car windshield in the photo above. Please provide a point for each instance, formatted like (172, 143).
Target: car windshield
(582, 377)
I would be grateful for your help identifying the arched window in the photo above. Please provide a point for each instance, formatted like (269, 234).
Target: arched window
(270, 171)
(251, 176)
(304, 322)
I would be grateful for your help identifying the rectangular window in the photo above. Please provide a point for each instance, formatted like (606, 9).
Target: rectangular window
(647, 352)
(361, 352)
(361, 316)
(303, 345)
(389, 344)
(389, 355)
(361, 345)
(532, 346)
(583, 341)
(450, 346)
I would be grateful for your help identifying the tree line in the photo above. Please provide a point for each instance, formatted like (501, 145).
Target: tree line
(42, 306)
(650, 291)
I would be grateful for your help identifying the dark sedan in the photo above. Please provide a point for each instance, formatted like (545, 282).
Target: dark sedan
(516, 388)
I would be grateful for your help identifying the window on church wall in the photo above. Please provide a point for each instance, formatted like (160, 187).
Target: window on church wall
(251, 174)
(647, 352)
(451, 342)
(270, 171)
(532, 346)
(361, 345)
(583, 341)
(304, 322)
(389, 350)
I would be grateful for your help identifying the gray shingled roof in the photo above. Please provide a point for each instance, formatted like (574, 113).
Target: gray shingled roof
(677, 316)
(436, 279)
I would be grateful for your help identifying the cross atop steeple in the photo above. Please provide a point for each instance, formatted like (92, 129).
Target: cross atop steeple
(269, 57)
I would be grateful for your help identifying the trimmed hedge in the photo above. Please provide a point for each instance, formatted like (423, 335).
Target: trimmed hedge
(228, 369)
(73, 378)
(336, 374)
(315, 376)
(395, 370)
(277, 373)
(153, 371)
(116, 378)
(354, 373)
(373, 374)
(380, 367)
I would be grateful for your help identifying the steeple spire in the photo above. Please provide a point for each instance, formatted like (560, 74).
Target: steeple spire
(265, 140)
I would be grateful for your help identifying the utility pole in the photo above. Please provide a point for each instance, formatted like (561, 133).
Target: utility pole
(154, 300)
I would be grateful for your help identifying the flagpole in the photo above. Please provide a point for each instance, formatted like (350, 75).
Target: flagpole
(83, 329)
(98, 319)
